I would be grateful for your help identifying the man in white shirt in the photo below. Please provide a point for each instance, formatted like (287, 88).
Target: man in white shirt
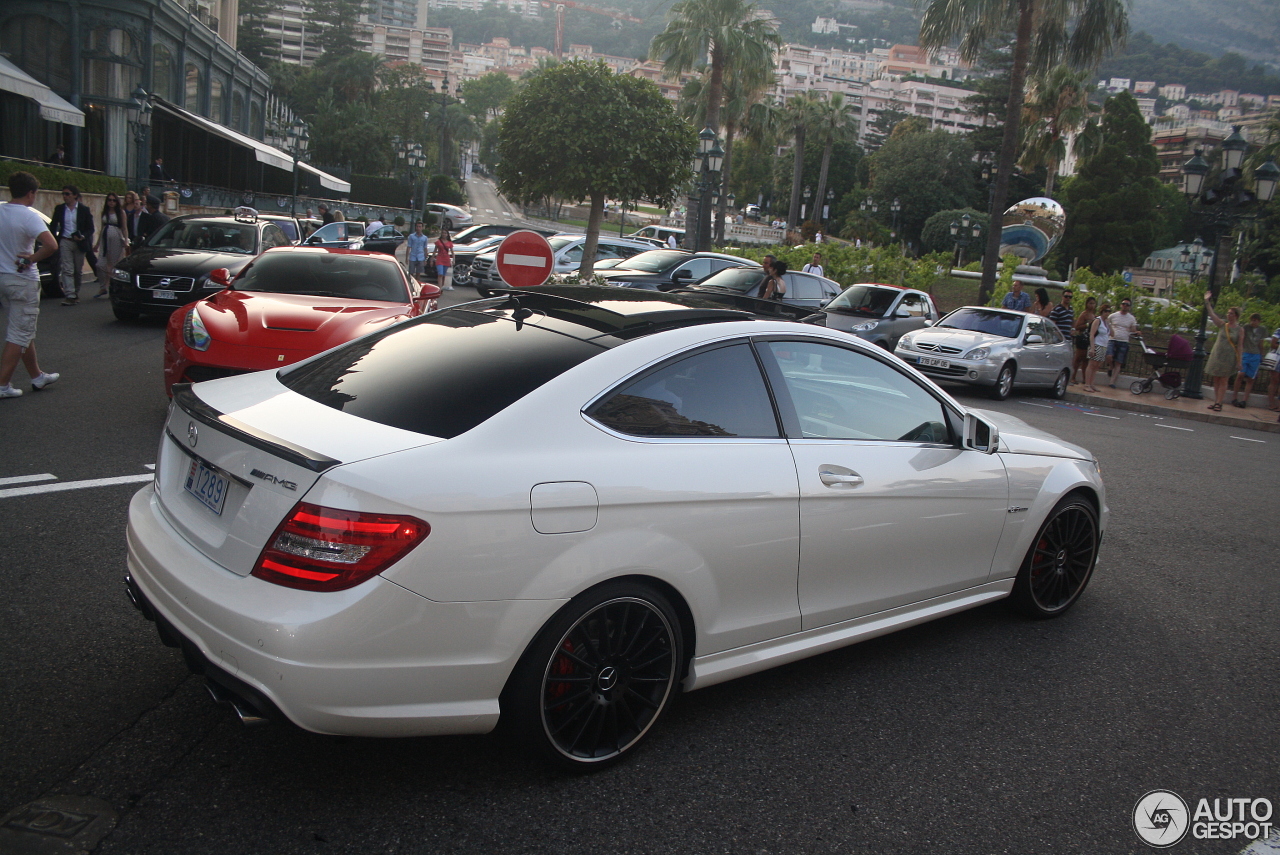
(815, 266)
(671, 242)
(20, 228)
(373, 227)
(1123, 325)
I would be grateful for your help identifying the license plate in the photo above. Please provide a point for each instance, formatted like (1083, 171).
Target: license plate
(934, 362)
(207, 486)
(162, 295)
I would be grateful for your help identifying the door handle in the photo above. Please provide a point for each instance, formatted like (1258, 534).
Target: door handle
(839, 479)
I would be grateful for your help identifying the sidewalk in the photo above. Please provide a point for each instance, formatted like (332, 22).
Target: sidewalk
(1254, 417)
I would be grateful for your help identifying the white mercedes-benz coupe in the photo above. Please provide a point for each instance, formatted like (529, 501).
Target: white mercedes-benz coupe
(559, 507)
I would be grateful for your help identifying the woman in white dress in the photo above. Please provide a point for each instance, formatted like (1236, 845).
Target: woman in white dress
(112, 241)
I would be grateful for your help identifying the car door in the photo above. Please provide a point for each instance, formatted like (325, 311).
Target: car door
(1037, 363)
(910, 314)
(803, 290)
(691, 271)
(892, 510)
(703, 468)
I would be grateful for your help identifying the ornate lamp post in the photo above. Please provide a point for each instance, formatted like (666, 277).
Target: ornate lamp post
(140, 123)
(712, 163)
(1220, 207)
(1195, 259)
(804, 206)
(895, 207)
(444, 105)
(963, 233)
(297, 146)
(826, 210)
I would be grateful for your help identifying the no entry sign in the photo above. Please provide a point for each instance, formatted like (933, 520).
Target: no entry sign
(524, 259)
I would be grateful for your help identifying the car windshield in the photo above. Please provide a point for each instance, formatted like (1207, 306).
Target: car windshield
(214, 236)
(740, 279)
(987, 321)
(866, 300)
(558, 243)
(654, 261)
(325, 274)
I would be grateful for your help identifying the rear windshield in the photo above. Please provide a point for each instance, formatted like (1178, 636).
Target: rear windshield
(656, 260)
(740, 279)
(325, 274)
(201, 234)
(441, 374)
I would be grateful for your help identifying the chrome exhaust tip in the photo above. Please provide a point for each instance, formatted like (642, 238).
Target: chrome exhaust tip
(243, 711)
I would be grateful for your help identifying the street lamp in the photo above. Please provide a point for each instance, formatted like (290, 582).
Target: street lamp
(895, 207)
(826, 210)
(444, 106)
(140, 122)
(964, 233)
(805, 205)
(710, 160)
(298, 140)
(1220, 208)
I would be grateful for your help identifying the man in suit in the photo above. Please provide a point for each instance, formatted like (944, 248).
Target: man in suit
(72, 226)
(150, 222)
(58, 158)
(158, 172)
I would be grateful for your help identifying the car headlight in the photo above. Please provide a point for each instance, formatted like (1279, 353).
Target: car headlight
(904, 343)
(622, 284)
(194, 334)
(978, 353)
(865, 326)
(120, 275)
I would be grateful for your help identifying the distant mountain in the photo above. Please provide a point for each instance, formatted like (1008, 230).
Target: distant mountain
(1248, 27)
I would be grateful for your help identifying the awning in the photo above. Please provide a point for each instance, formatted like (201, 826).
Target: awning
(52, 107)
(262, 152)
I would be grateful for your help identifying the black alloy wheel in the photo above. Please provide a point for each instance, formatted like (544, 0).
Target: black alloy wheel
(1004, 382)
(1060, 562)
(598, 677)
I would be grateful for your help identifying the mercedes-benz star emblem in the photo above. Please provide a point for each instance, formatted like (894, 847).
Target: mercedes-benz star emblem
(193, 435)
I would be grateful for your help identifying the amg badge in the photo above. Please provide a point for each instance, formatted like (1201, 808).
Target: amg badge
(271, 479)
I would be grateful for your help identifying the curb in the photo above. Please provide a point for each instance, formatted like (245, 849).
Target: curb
(1155, 409)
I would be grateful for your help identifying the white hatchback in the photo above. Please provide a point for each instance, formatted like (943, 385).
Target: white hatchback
(558, 508)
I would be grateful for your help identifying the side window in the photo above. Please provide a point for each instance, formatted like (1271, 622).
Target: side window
(843, 394)
(699, 268)
(913, 304)
(387, 232)
(628, 251)
(1052, 334)
(572, 255)
(713, 393)
(801, 287)
(1036, 326)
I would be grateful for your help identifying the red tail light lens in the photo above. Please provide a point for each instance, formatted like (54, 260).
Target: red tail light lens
(324, 549)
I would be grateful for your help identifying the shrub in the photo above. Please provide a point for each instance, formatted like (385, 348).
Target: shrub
(442, 188)
(51, 178)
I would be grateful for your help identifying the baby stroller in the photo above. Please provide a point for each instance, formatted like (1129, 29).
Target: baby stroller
(1165, 370)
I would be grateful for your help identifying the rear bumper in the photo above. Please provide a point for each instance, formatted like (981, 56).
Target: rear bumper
(375, 660)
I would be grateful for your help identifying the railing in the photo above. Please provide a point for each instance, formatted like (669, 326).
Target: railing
(53, 165)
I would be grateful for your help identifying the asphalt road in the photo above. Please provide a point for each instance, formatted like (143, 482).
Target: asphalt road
(979, 733)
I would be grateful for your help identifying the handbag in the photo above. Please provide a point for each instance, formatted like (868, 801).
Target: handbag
(1082, 341)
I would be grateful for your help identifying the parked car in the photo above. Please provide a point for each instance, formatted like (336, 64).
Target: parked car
(289, 304)
(998, 348)
(566, 256)
(881, 314)
(310, 225)
(464, 255)
(386, 239)
(355, 544)
(477, 233)
(803, 289)
(173, 267)
(658, 235)
(339, 235)
(291, 226)
(665, 269)
(449, 216)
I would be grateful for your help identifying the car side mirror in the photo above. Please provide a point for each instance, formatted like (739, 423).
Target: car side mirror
(683, 274)
(220, 276)
(929, 323)
(902, 313)
(1035, 339)
(312, 241)
(980, 435)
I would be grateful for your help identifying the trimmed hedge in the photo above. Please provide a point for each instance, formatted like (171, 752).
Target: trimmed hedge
(53, 178)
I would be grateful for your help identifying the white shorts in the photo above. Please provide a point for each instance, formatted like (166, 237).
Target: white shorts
(20, 299)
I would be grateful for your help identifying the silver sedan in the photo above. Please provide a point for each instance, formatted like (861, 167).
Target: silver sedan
(991, 347)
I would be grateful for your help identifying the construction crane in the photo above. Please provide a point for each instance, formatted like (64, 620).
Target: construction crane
(560, 5)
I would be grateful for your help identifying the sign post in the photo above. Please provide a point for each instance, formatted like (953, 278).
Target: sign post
(524, 259)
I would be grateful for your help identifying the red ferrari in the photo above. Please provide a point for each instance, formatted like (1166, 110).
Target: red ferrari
(288, 304)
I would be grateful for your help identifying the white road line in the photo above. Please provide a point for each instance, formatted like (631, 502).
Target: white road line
(150, 466)
(1101, 416)
(1030, 404)
(27, 479)
(1246, 439)
(1172, 427)
(73, 485)
(488, 210)
(507, 214)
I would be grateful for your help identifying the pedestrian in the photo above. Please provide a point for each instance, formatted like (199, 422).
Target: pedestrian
(1080, 357)
(58, 157)
(158, 172)
(73, 227)
(814, 266)
(373, 226)
(150, 222)
(1062, 315)
(444, 261)
(133, 211)
(1123, 326)
(1251, 338)
(775, 287)
(1041, 305)
(1099, 337)
(671, 241)
(1224, 359)
(325, 217)
(1273, 385)
(1017, 299)
(20, 228)
(817, 237)
(417, 252)
(113, 238)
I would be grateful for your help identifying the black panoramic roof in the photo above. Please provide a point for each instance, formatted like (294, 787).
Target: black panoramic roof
(603, 311)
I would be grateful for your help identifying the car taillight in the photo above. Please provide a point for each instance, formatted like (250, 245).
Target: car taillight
(324, 549)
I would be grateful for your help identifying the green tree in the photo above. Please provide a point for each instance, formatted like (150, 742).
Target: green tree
(802, 111)
(551, 144)
(1047, 32)
(335, 21)
(1113, 203)
(837, 122)
(1057, 105)
(485, 96)
(935, 236)
(926, 172)
(250, 40)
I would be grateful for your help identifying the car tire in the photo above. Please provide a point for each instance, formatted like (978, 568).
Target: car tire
(448, 224)
(613, 659)
(125, 312)
(1004, 382)
(1059, 390)
(1060, 561)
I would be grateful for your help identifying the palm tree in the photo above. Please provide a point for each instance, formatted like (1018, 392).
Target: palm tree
(1056, 107)
(803, 110)
(1045, 36)
(836, 121)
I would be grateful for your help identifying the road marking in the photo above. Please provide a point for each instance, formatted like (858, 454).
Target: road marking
(1173, 427)
(1101, 416)
(27, 479)
(488, 210)
(507, 214)
(1246, 439)
(14, 492)
(1030, 404)
(150, 466)
(525, 260)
